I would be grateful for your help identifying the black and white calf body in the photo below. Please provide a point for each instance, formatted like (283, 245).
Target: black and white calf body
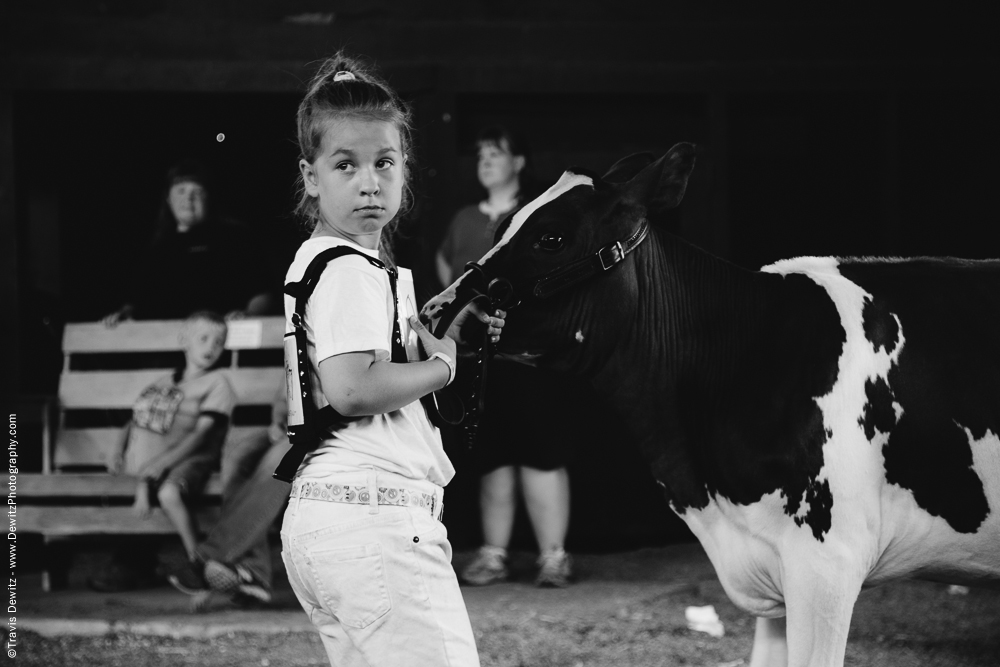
(821, 425)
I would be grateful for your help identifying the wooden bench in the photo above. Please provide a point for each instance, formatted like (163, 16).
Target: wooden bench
(104, 371)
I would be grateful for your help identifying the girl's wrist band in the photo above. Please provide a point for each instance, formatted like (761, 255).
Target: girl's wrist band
(451, 365)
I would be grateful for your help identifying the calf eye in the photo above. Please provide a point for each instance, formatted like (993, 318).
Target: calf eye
(550, 241)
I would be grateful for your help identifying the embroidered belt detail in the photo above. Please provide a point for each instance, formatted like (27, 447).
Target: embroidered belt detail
(357, 494)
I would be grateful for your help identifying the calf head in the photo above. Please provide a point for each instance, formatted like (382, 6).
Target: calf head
(558, 265)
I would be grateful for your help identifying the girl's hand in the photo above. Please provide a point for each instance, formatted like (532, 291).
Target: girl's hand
(431, 344)
(494, 322)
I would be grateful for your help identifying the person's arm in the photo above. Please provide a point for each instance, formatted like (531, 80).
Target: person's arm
(278, 428)
(118, 457)
(123, 313)
(181, 449)
(356, 383)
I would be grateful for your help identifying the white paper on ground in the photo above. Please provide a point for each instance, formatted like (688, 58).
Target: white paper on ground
(704, 619)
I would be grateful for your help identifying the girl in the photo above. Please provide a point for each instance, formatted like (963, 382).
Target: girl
(363, 544)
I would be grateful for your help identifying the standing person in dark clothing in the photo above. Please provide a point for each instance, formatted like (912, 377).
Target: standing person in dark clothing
(197, 260)
(528, 433)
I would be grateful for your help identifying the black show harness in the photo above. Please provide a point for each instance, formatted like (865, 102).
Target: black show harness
(499, 292)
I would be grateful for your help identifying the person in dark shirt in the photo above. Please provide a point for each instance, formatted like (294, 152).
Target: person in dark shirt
(197, 260)
(534, 420)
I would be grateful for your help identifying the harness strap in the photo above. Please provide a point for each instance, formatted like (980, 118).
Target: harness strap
(321, 421)
(566, 276)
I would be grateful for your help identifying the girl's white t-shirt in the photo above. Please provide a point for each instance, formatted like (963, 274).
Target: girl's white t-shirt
(351, 311)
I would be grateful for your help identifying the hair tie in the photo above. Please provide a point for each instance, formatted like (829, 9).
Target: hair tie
(344, 75)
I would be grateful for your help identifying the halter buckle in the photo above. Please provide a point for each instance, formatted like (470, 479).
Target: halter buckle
(610, 255)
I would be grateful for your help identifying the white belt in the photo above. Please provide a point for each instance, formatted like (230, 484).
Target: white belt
(358, 494)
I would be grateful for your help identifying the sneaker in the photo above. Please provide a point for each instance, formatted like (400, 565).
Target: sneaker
(188, 578)
(489, 566)
(237, 581)
(252, 587)
(555, 568)
(221, 577)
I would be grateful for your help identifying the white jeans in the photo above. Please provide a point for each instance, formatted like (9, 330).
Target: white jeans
(377, 581)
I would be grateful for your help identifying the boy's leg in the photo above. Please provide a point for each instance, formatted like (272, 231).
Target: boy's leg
(184, 482)
(172, 502)
(141, 506)
(240, 535)
(240, 459)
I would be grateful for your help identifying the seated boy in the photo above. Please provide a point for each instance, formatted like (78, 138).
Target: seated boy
(174, 439)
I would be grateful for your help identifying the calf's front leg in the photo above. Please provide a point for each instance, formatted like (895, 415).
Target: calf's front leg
(819, 602)
(770, 645)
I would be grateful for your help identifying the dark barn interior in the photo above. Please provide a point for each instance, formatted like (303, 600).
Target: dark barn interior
(822, 130)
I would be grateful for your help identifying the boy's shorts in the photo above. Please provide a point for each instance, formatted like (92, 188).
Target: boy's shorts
(191, 474)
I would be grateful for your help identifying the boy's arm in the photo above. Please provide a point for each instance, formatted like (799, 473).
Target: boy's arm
(183, 448)
(279, 417)
(118, 456)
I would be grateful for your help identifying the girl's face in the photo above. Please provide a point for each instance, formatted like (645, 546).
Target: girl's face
(357, 178)
(187, 202)
(497, 166)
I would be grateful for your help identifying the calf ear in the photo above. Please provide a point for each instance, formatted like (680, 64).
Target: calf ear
(661, 185)
(623, 170)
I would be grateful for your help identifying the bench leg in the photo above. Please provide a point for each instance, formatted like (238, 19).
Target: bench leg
(57, 558)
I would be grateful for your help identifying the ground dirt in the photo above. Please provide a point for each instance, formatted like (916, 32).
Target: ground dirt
(626, 610)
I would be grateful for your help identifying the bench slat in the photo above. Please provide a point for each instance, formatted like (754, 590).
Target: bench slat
(119, 389)
(90, 485)
(86, 446)
(71, 521)
(149, 335)
(96, 446)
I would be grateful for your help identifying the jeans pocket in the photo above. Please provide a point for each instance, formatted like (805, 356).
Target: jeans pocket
(351, 583)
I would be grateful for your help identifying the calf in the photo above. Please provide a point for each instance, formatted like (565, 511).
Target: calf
(821, 425)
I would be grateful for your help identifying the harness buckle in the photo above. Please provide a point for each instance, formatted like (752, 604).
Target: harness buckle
(610, 255)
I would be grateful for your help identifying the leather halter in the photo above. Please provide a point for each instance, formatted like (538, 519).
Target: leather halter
(447, 407)
(547, 285)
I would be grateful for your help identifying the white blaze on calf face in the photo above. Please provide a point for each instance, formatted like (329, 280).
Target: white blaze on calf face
(567, 182)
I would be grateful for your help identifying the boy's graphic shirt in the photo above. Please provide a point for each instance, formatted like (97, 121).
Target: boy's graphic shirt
(167, 410)
(156, 408)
